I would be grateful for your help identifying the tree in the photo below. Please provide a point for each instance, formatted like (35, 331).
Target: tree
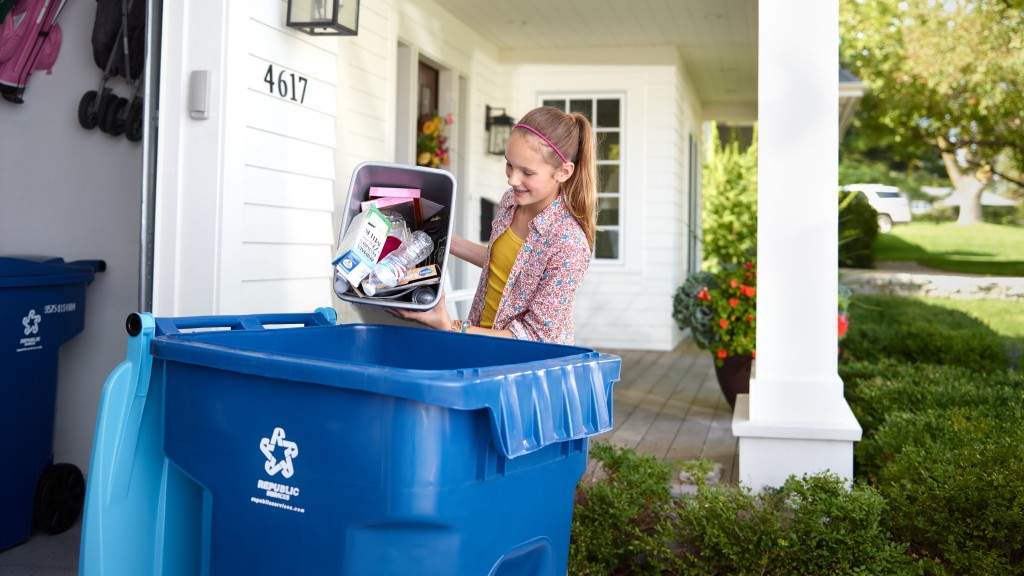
(945, 77)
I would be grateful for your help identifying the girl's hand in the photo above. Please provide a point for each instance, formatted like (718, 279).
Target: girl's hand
(437, 317)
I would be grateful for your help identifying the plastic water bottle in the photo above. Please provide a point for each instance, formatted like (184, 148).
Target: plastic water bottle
(393, 268)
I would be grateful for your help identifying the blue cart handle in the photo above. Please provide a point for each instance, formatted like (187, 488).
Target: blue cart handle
(96, 265)
(320, 317)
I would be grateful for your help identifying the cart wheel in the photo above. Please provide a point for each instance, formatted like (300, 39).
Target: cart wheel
(133, 124)
(60, 495)
(114, 118)
(88, 114)
(106, 101)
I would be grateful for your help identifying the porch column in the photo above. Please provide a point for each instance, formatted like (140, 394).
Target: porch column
(795, 419)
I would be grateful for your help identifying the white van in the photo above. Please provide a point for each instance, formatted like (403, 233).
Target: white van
(890, 203)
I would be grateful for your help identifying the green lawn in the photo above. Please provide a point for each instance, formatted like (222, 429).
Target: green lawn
(987, 249)
(1003, 316)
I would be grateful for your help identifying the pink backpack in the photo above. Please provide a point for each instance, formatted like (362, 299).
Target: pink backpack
(29, 40)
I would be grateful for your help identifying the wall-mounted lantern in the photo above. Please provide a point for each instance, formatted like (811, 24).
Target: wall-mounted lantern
(324, 17)
(499, 129)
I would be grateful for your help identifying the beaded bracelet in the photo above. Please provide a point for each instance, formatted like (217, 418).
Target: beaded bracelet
(460, 326)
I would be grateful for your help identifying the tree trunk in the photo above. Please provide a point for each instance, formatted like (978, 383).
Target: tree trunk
(970, 201)
(967, 187)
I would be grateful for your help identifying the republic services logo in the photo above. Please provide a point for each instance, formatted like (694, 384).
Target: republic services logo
(31, 322)
(274, 464)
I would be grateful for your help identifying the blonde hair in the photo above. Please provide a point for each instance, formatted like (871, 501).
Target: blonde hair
(571, 137)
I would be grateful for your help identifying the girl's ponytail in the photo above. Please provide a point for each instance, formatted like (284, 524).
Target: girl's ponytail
(580, 190)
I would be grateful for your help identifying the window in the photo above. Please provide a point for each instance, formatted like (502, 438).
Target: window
(605, 115)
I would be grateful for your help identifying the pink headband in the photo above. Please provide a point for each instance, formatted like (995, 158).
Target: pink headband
(542, 137)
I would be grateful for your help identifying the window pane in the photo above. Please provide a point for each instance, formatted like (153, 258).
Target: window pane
(607, 211)
(585, 107)
(606, 244)
(608, 146)
(608, 113)
(605, 115)
(608, 178)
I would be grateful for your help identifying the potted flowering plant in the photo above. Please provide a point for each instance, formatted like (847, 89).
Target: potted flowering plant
(431, 141)
(720, 310)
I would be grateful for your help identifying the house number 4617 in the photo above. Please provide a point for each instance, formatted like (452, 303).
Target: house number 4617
(286, 84)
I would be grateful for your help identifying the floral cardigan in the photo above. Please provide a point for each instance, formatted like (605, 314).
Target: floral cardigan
(538, 298)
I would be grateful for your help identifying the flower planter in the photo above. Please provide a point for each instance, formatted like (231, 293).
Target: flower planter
(734, 376)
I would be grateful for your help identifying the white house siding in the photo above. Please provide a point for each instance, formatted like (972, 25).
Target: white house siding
(288, 174)
(628, 304)
(245, 197)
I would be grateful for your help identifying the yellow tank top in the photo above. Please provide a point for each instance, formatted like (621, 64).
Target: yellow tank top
(503, 256)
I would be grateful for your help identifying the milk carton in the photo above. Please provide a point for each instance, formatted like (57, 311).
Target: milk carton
(361, 246)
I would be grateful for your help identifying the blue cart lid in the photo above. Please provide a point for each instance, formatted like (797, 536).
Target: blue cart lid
(18, 271)
(535, 393)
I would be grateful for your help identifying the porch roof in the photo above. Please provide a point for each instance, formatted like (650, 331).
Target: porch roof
(716, 39)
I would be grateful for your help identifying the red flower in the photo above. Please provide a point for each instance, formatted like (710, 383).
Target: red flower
(721, 353)
(844, 324)
(748, 265)
(723, 323)
(750, 319)
(733, 302)
(733, 283)
(703, 294)
(753, 354)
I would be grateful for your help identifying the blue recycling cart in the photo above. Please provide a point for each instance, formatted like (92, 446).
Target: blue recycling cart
(42, 307)
(286, 444)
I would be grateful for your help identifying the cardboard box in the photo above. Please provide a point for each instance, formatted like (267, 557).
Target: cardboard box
(386, 192)
(416, 277)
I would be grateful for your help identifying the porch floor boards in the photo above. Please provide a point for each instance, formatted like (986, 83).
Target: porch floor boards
(668, 404)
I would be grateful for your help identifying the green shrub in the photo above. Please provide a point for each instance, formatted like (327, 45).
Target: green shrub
(942, 433)
(1005, 215)
(729, 210)
(814, 525)
(911, 330)
(878, 389)
(943, 445)
(622, 524)
(858, 228)
(628, 523)
(956, 476)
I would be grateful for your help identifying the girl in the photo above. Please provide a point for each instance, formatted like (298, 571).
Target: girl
(541, 239)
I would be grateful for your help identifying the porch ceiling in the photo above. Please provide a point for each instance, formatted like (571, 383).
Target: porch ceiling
(717, 38)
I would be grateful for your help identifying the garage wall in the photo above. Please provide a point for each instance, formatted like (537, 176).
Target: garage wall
(74, 193)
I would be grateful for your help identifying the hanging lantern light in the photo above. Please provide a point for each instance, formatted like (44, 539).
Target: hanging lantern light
(499, 130)
(324, 17)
